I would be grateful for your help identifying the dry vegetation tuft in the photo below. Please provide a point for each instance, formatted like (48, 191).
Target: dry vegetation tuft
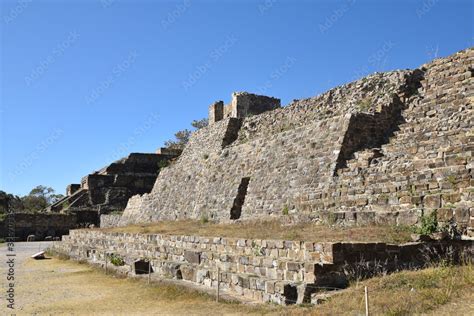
(274, 229)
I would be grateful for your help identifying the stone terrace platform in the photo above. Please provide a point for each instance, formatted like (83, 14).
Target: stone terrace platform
(279, 271)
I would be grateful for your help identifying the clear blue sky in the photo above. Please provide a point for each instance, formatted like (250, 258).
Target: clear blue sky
(86, 82)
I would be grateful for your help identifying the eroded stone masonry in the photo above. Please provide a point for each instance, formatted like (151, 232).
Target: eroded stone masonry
(387, 148)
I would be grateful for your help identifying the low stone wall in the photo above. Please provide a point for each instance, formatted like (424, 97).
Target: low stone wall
(278, 271)
(110, 220)
(40, 225)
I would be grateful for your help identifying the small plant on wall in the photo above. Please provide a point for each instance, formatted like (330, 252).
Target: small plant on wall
(429, 224)
(364, 104)
(163, 164)
(65, 205)
(204, 219)
(332, 218)
(116, 260)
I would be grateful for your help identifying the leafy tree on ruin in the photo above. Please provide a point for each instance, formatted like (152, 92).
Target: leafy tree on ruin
(198, 124)
(182, 137)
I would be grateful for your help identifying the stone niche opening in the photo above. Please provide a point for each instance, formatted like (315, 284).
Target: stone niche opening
(142, 267)
(239, 200)
(290, 292)
(179, 274)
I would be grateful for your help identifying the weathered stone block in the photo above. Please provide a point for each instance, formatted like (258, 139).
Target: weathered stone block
(444, 214)
(405, 200)
(451, 198)
(416, 200)
(270, 287)
(408, 217)
(293, 266)
(188, 273)
(192, 257)
(432, 201)
(461, 214)
(201, 275)
(244, 282)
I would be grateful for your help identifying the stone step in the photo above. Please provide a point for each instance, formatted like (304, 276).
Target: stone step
(67, 201)
(438, 159)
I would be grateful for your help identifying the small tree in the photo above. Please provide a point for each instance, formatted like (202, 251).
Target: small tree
(181, 138)
(198, 124)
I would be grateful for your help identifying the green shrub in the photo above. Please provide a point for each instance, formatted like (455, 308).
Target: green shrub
(163, 164)
(364, 104)
(204, 219)
(332, 218)
(285, 211)
(116, 260)
(65, 205)
(452, 180)
(428, 225)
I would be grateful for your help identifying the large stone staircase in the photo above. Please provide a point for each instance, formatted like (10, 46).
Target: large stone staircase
(427, 164)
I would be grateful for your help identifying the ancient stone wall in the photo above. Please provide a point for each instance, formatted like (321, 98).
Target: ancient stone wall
(210, 174)
(40, 225)
(109, 220)
(109, 189)
(386, 148)
(279, 271)
(243, 104)
(367, 95)
(72, 188)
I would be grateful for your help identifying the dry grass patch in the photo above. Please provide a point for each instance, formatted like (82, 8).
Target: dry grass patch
(58, 287)
(274, 229)
(406, 293)
(61, 287)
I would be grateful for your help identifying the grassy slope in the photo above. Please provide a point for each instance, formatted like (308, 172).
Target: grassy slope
(407, 292)
(275, 230)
